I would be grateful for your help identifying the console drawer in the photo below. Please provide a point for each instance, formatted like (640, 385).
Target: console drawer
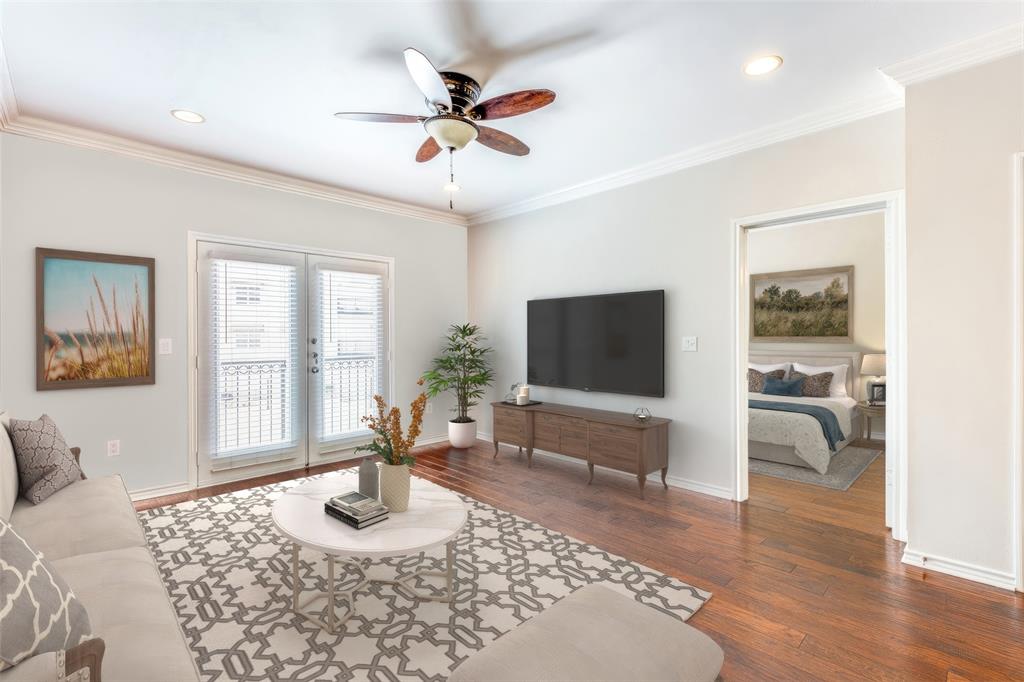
(511, 417)
(626, 432)
(573, 443)
(545, 437)
(561, 420)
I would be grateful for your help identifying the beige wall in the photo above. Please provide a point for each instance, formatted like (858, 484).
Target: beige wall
(854, 240)
(60, 196)
(962, 130)
(674, 233)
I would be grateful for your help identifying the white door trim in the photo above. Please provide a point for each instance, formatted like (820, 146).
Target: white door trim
(1017, 466)
(892, 204)
(192, 332)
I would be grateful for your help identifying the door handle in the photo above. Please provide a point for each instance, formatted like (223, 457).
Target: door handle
(315, 370)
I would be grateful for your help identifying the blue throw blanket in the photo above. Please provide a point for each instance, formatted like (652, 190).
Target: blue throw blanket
(825, 417)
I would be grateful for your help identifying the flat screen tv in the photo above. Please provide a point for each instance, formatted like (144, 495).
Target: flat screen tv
(613, 343)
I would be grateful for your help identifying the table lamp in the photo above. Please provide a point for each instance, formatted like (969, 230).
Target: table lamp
(873, 366)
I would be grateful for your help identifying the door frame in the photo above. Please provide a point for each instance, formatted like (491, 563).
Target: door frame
(1017, 449)
(893, 206)
(192, 331)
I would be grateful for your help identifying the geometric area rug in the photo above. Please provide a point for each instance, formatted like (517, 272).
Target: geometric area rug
(228, 573)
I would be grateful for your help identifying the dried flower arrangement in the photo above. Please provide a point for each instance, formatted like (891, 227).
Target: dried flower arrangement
(391, 443)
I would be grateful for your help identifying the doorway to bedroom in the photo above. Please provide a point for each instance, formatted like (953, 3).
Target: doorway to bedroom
(819, 423)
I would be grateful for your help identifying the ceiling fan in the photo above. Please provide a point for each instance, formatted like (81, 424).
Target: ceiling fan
(452, 99)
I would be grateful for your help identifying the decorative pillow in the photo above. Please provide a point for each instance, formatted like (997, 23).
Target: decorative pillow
(784, 366)
(792, 387)
(45, 464)
(755, 379)
(38, 611)
(838, 388)
(815, 385)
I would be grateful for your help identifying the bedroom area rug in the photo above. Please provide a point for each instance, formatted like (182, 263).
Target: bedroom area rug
(843, 470)
(228, 573)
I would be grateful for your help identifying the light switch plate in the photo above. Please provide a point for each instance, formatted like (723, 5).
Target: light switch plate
(113, 448)
(165, 347)
(690, 344)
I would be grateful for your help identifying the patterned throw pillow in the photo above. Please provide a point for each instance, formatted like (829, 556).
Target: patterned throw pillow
(45, 464)
(815, 385)
(38, 611)
(755, 379)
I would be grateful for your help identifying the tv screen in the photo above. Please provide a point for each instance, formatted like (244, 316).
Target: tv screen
(613, 343)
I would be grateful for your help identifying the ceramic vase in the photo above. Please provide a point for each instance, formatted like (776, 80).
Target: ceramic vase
(369, 477)
(394, 486)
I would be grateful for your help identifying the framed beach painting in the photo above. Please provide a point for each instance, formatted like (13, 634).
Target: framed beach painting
(94, 320)
(802, 306)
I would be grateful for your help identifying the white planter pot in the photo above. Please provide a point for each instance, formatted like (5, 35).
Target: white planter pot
(462, 436)
(394, 486)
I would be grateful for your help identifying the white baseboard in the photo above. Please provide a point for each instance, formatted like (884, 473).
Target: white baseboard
(960, 569)
(159, 491)
(673, 481)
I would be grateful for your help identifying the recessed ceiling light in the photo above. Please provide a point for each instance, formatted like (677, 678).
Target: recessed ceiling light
(452, 187)
(762, 65)
(187, 116)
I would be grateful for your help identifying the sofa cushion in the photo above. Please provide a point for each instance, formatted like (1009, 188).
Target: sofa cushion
(8, 471)
(39, 613)
(597, 634)
(130, 610)
(45, 462)
(93, 515)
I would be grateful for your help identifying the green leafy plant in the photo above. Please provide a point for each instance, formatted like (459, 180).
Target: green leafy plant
(463, 367)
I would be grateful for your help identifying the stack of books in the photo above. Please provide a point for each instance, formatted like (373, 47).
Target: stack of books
(356, 509)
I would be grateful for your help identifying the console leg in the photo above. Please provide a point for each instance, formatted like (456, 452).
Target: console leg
(590, 465)
(495, 450)
(529, 457)
(664, 473)
(520, 449)
(641, 479)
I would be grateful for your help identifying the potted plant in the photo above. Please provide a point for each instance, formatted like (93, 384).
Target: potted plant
(464, 368)
(394, 448)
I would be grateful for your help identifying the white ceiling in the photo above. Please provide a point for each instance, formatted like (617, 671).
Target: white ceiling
(635, 81)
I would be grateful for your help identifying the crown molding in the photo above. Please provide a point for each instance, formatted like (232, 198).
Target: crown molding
(8, 103)
(762, 137)
(959, 56)
(41, 129)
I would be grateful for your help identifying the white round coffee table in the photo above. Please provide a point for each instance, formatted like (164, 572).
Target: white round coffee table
(435, 517)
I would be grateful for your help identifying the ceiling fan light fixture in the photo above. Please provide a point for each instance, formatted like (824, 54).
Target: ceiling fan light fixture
(760, 66)
(450, 132)
(452, 187)
(186, 116)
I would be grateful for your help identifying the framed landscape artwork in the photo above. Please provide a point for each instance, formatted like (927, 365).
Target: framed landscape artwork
(94, 320)
(802, 305)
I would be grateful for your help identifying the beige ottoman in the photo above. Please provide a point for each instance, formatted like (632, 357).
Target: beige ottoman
(596, 634)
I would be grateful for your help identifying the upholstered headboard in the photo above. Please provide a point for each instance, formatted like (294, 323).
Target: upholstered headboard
(816, 357)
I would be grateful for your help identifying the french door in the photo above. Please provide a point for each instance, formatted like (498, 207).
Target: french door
(292, 347)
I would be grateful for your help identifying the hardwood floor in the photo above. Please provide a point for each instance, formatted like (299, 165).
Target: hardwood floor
(807, 582)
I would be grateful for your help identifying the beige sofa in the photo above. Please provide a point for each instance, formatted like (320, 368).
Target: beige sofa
(90, 532)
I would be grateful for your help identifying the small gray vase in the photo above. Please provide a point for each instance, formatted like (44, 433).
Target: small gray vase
(369, 478)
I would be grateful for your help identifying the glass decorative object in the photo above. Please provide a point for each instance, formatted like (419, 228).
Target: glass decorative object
(641, 414)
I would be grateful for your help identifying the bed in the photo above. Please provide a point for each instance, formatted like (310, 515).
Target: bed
(795, 438)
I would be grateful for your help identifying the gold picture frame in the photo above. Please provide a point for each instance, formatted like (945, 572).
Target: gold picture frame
(802, 306)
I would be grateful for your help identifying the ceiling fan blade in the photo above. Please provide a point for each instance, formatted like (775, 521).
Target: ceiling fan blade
(427, 79)
(378, 118)
(512, 104)
(502, 142)
(428, 150)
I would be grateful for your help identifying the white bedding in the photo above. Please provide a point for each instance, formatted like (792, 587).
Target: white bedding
(801, 431)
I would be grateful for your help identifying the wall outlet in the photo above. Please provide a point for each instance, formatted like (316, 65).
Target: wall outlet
(113, 448)
(165, 347)
(430, 407)
(689, 344)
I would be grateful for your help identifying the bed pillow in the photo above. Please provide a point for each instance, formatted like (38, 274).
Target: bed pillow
(764, 369)
(45, 463)
(788, 387)
(755, 379)
(838, 387)
(40, 613)
(815, 385)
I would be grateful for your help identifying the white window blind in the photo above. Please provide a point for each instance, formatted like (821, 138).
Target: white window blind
(351, 317)
(252, 357)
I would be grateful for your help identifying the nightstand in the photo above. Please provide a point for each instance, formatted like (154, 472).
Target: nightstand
(870, 412)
